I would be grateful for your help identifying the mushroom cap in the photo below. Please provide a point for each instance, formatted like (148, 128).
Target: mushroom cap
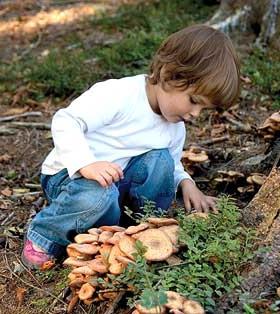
(89, 249)
(135, 312)
(98, 266)
(72, 276)
(85, 238)
(76, 283)
(195, 215)
(112, 228)
(105, 236)
(115, 252)
(105, 251)
(256, 178)
(85, 270)
(116, 268)
(174, 300)
(134, 229)
(72, 261)
(174, 311)
(116, 237)
(192, 307)
(195, 156)
(89, 301)
(127, 246)
(94, 231)
(124, 260)
(153, 310)
(162, 221)
(172, 231)
(159, 246)
(109, 295)
(86, 291)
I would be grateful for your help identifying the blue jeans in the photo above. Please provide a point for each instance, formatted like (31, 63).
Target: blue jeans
(76, 205)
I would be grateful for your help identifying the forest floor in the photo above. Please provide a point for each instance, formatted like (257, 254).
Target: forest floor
(51, 51)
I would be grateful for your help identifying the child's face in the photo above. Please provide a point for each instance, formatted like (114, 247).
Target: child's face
(176, 105)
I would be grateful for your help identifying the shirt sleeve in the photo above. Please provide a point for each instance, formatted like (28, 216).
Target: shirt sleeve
(90, 111)
(176, 153)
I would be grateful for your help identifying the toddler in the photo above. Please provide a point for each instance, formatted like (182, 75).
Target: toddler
(121, 141)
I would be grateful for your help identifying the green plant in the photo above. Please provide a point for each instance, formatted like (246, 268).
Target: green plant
(213, 252)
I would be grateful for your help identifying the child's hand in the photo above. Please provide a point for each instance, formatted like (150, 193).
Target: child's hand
(103, 172)
(194, 198)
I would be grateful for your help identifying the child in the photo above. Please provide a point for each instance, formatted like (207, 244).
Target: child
(121, 141)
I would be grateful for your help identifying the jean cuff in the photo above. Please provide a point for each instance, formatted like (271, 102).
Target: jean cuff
(50, 247)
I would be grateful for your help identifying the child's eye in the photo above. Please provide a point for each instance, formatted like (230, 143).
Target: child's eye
(193, 101)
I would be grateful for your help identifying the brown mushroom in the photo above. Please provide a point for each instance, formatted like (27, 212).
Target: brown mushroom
(153, 310)
(112, 228)
(105, 236)
(94, 231)
(174, 300)
(257, 178)
(158, 245)
(124, 260)
(172, 232)
(135, 312)
(72, 276)
(115, 252)
(98, 266)
(134, 229)
(105, 250)
(116, 268)
(116, 238)
(74, 300)
(195, 156)
(109, 295)
(74, 262)
(76, 283)
(92, 279)
(198, 215)
(85, 238)
(127, 246)
(89, 301)
(85, 270)
(83, 249)
(192, 307)
(86, 291)
(162, 221)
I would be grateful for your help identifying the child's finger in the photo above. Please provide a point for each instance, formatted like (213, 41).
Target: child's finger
(101, 181)
(107, 177)
(113, 173)
(118, 169)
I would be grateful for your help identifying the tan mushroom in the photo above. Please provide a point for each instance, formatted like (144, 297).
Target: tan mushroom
(174, 300)
(92, 279)
(105, 236)
(115, 252)
(98, 266)
(195, 156)
(162, 221)
(127, 246)
(135, 312)
(85, 238)
(134, 229)
(87, 249)
(116, 268)
(89, 301)
(76, 283)
(124, 260)
(109, 295)
(192, 307)
(74, 262)
(105, 250)
(74, 300)
(172, 232)
(72, 276)
(85, 270)
(158, 245)
(153, 310)
(256, 178)
(112, 228)
(86, 291)
(198, 215)
(116, 238)
(94, 231)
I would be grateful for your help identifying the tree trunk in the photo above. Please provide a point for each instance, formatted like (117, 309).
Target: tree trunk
(257, 20)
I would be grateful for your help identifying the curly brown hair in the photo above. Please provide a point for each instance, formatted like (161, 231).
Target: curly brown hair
(202, 57)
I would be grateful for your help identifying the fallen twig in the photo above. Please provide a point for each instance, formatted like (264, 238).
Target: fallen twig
(25, 114)
(114, 303)
(6, 131)
(37, 125)
(7, 218)
(214, 140)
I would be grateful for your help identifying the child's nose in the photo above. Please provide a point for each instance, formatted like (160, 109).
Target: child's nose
(196, 111)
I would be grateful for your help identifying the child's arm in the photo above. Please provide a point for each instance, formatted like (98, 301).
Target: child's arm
(193, 197)
(103, 172)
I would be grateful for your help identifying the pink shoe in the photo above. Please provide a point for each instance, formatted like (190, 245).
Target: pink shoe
(34, 259)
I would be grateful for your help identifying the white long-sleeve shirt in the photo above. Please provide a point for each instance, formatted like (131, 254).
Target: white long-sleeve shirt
(112, 121)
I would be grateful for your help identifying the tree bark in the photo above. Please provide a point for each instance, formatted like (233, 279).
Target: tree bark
(258, 20)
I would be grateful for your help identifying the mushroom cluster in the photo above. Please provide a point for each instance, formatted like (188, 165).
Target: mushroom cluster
(271, 125)
(109, 249)
(176, 304)
(194, 157)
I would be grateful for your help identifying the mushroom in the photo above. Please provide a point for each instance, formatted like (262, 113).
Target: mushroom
(105, 251)
(158, 245)
(116, 237)
(192, 307)
(94, 231)
(89, 301)
(86, 291)
(72, 276)
(85, 238)
(162, 221)
(257, 178)
(82, 249)
(74, 300)
(76, 283)
(116, 268)
(115, 252)
(98, 266)
(195, 215)
(112, 228)
(85, 270)
(127, 246)
(109, 295)
(153, 310)
(134, 229)
(172, 232)
(135, 312)
(92, 279)
(195, 155)
(74, 262)
(105, 236)
(124, 260)
(174, 300)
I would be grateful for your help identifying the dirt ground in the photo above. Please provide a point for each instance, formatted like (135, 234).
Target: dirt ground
(231, 140)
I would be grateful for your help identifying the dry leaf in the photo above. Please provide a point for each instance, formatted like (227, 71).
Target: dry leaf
(5, 158)
(6, 192)
(20, 293)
